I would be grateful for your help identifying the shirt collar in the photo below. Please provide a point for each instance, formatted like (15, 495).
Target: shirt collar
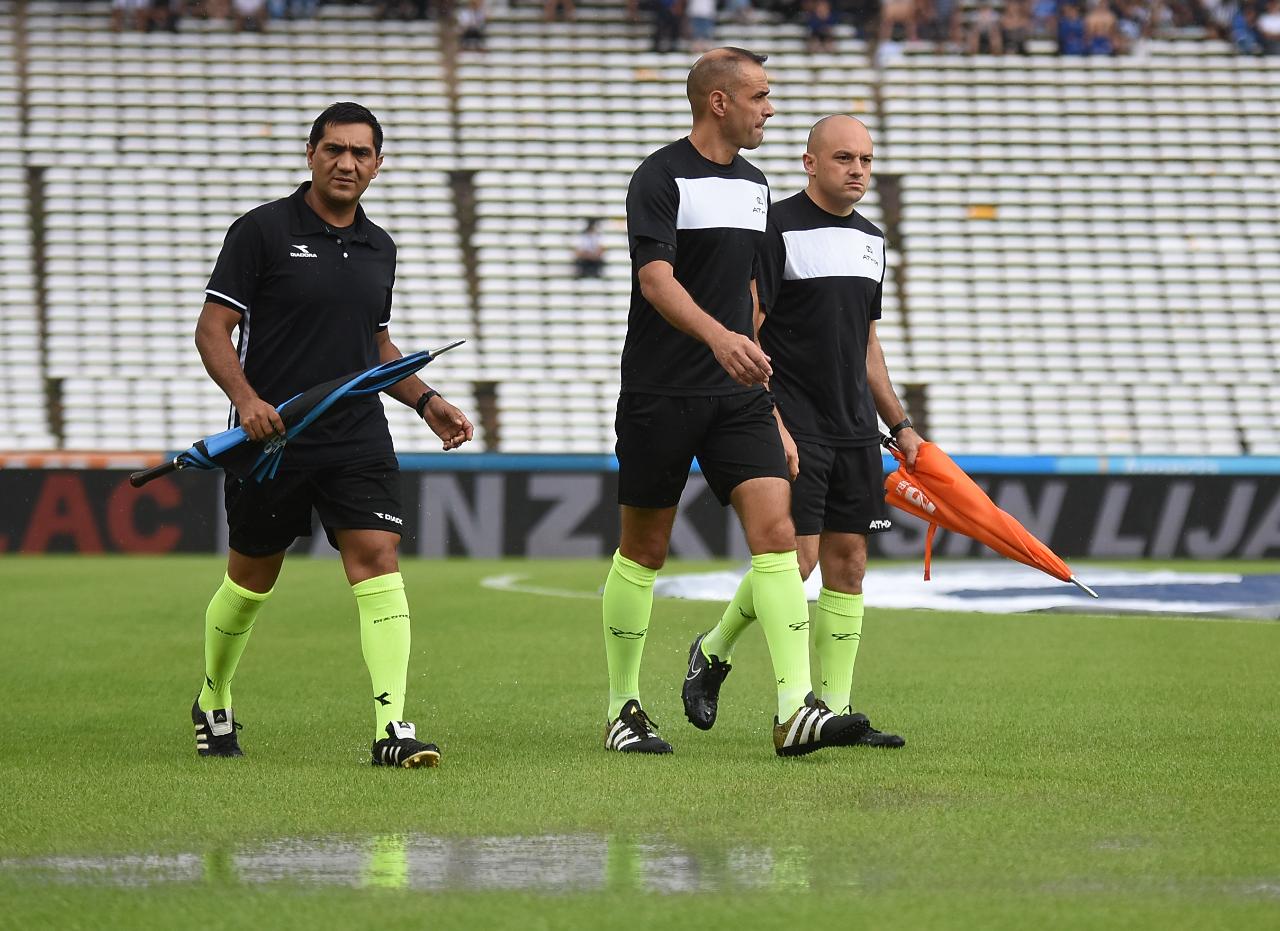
(305, 220)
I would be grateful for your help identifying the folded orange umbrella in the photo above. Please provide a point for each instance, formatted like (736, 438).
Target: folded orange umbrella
(940, 493)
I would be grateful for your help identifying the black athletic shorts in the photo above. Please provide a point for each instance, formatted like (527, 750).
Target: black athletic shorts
(839, 488)
(266, 517)
(734, 438)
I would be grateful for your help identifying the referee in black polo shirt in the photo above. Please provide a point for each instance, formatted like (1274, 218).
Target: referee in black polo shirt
(692, 386)
(820, 283)
(307, 281)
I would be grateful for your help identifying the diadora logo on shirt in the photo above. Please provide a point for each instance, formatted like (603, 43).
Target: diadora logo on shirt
(303, 252)
(390, 517)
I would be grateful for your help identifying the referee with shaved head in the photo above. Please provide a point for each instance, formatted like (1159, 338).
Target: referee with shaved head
(692, 387)
(306, 280)
(821, 282)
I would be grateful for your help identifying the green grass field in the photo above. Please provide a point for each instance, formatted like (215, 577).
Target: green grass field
(1060, 771)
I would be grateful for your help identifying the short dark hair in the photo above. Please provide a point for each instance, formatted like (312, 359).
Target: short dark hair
(718, 69)
(345, 113)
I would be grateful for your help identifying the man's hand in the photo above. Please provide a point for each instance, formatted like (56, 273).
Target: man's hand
(742, 358)
(909, 443)
(447, 422)
(259, 419)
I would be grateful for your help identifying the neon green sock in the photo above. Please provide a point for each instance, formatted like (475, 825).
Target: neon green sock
(227, 623)
(628, 599)
(384, 640)
(837, 631)
(784, 617)
(740, 615)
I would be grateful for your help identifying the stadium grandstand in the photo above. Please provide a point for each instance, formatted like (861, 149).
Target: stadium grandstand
(1082, 248)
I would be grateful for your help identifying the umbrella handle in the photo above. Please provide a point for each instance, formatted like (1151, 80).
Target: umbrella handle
(138, 479)
(891, 444)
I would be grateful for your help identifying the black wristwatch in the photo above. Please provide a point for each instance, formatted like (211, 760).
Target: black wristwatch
(425, 400)
(901, 425)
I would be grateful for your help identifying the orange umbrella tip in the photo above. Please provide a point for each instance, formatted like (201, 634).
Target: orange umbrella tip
(1084, 588)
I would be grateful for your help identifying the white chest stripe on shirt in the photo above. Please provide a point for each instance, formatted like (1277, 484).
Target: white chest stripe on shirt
(716, 203)
(833, 252)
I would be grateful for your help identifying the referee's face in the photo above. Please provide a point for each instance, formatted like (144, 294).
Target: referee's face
(747, 108)
(343, 163)
(839, 164)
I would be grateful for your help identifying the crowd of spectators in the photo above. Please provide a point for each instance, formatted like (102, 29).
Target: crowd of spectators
(976, 27)
(150, 15)
(1252, 26)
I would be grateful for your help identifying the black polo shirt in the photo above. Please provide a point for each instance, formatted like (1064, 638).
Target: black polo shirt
(311, 300)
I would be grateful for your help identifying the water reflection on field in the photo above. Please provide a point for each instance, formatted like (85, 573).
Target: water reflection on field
(549, 863)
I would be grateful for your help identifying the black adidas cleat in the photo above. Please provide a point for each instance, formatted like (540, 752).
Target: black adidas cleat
(862, 734)
(215, 731)
(701, 690)
(633, 732)
(401, 747)
(812, 727)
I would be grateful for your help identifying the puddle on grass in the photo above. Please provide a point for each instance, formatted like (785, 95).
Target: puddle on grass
(548, 863)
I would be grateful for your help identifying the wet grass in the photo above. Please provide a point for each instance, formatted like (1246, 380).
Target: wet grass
(1069, 771)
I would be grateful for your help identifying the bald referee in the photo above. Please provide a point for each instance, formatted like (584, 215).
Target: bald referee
(306, 280)
(821, 277)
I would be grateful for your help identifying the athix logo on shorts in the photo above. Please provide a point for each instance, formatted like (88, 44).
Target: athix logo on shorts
(303, 252)
(390, 517)
(880, 525)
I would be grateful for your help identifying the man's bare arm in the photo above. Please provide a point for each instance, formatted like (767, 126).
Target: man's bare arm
(213, 341)
(738, 355)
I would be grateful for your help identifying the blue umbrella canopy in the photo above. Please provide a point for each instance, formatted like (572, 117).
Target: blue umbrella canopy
(233, 451)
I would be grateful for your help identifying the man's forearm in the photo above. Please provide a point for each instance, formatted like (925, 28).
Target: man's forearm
(223, 365)
(673, 302)
(407, 390)
(886, 399)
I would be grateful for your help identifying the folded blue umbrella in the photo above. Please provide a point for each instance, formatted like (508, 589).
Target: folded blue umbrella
(233, 451)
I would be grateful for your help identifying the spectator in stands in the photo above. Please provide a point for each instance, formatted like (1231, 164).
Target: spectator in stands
(1015, 26)
(588, 256)
(898, 21)
(249, 14)
(701, 17)
(471, 25)
(1071, 31)
(1268, 25)
(552, 9)
(403, 9)
(985, 34)
(136, 13)
(666, 24)
(1244, 30)
(820, 26)
(292, 9)
(288, 261)
(1101, 35)
(739, 11)
(942, 23)
(1133, 24)
(1044, 18)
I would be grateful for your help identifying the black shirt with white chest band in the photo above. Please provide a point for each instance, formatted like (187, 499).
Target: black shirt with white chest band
(312, 299)
(706, 219)
(821, 278)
